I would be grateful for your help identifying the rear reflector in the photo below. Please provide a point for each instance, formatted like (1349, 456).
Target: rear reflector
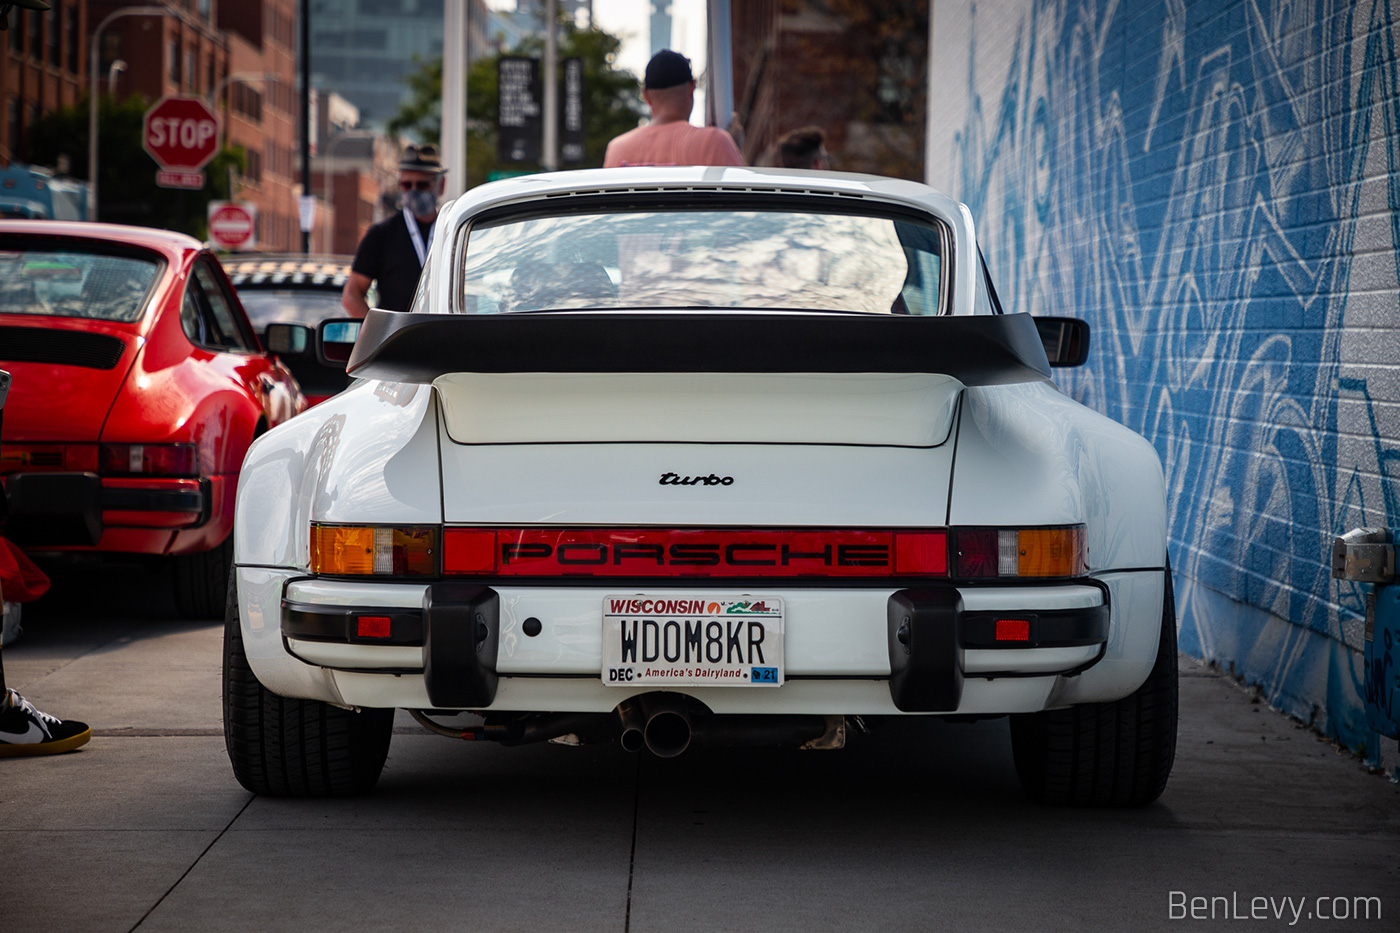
(1013, 630)
(693, 552)
(372, 626)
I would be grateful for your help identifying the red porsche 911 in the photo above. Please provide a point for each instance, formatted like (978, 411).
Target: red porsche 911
(138, 385)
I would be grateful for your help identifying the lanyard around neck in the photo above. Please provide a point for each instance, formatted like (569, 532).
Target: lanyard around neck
(419, 246)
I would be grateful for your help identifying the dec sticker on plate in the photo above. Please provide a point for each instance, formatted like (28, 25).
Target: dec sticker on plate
(693, 641)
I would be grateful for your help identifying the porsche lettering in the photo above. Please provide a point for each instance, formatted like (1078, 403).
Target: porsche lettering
(737, 555)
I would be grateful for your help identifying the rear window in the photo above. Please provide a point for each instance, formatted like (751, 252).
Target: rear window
(74, 283)
(289, 306)
(706, 258)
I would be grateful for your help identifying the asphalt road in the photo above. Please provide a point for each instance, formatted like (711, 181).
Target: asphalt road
(920, 826)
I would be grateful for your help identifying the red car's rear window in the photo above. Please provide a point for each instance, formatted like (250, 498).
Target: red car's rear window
(74, 281)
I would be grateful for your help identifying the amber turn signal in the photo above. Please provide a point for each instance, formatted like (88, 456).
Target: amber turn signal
(374, 550)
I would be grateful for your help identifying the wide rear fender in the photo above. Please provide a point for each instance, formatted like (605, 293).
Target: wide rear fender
(366, 456)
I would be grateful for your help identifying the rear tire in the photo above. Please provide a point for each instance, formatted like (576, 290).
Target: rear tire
(201, 581)
(1105, 754)
(285, 747)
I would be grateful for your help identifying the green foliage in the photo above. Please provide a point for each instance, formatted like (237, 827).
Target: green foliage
(612, 101)
(126, 186)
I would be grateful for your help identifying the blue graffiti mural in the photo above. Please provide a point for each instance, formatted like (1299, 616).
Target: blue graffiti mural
(1210, 184)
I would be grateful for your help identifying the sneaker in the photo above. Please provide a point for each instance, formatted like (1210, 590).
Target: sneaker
(26, 731)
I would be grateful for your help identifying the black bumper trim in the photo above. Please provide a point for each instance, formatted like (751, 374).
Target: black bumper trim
(926, 655)
(339, 624)
(1050, 628)
(54, 509)
(155, 500)
(461, 638)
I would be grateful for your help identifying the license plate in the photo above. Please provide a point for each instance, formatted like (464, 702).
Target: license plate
(692, 641)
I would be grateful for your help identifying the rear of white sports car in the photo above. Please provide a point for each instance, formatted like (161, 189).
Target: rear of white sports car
(687, 456)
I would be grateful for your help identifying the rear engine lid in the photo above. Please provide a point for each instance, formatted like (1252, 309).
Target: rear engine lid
(885, 409)
(65, 377)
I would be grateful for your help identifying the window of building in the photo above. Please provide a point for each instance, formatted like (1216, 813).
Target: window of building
(55, 34)
(172, 55)
(12, 123)
(17, 33)
(70, 38)
(191, 68)
(255, 170)
(33, 24)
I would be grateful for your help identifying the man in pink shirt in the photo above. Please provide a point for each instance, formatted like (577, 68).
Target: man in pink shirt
(669, 139)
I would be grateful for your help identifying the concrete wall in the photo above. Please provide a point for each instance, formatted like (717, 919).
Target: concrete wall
(1215, 186)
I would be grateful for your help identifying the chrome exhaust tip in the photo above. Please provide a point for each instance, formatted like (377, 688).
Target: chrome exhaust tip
(667, 732)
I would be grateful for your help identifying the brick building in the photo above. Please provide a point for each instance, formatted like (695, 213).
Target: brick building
(855, 68)
(43, 66)
(262, 108)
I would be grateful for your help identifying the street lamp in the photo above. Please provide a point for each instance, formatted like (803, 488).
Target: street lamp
(92, 92)
(114, 69)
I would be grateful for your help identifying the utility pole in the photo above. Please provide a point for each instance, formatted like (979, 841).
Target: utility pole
(549, 158)
(454, 96)
(306, 123)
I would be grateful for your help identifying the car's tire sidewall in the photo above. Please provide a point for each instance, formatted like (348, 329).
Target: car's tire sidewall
(1117, 754)
(286, 747)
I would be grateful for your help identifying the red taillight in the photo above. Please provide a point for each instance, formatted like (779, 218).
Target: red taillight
(1013, 630)
(24, 458)
(922, 553)
(372, 626)
(693, 552)
(149, 459)
(469, 550)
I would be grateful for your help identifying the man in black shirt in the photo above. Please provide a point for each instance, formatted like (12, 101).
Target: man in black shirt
(393, 250)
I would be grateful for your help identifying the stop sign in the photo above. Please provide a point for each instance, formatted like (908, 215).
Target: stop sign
(180, 133)
(233, 224)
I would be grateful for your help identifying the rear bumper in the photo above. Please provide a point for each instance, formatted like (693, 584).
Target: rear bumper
(846, 650)
(75, 509)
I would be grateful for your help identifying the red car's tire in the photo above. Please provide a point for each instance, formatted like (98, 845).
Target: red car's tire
(285, 747)
(1105, 754)
(201, 581)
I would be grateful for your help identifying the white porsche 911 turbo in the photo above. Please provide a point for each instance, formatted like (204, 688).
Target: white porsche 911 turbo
(713, 455)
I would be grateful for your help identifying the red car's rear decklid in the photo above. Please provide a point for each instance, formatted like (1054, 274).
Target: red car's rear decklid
(66, 374)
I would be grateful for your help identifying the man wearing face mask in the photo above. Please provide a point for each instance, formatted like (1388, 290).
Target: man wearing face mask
(393, 251)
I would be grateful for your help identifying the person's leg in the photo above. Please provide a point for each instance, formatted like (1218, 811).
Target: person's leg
(24, 730)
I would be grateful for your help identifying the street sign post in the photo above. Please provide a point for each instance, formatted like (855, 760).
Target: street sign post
(181, 135)
(233, 225)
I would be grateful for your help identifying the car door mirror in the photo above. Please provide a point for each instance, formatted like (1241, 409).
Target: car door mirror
(335, 339)
(288, 339)
(1066, 339)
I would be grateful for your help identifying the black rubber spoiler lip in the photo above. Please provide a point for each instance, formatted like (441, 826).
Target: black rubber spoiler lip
(975, 350)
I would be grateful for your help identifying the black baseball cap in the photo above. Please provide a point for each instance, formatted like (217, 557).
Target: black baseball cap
(667, 69)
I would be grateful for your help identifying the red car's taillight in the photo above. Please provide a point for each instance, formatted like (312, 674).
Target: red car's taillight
(149, 459)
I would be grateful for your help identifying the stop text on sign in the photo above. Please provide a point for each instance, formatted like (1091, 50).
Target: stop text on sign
(184, 133)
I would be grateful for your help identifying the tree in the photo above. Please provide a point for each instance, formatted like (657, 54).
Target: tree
(126, 186)
(612, 101)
